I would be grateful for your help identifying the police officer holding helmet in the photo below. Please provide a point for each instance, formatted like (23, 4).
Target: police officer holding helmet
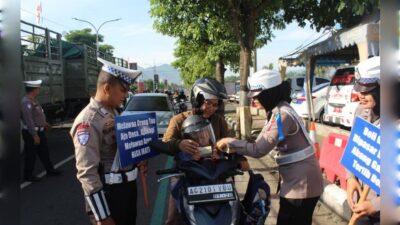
(300, 176)
(110, 191)
(368, 88)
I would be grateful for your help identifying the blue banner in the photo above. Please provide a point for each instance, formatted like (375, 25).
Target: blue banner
(362, 155)
(133, 133)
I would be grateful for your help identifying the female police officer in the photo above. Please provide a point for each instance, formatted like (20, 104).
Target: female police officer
(300, 175)
(367, 85)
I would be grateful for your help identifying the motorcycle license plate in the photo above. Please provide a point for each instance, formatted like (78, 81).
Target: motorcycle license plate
(210, 193)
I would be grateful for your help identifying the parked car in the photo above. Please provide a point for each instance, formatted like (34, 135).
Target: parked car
(152, 102)
(342, 100)
(299, 103)
(232, 98)
(297, 85)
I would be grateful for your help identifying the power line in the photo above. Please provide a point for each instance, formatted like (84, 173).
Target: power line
(49, 20)
(300, 48)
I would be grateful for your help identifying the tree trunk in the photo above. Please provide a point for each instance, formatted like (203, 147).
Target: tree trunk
(245, 57)
(220, 70)
(220, 76)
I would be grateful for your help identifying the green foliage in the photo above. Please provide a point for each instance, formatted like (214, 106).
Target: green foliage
(83, 36)
(204, 36)
(106, 48)
(148, 84)
(231, 79)
(327, 13)
(269, 67)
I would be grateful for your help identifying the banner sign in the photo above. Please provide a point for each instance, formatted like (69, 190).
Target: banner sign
(362, 154)
(133, 133)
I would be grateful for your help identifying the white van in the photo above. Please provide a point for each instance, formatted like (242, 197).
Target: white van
(342, 100)
(297, 85)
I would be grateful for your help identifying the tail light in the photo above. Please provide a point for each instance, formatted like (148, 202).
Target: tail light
(303, 98)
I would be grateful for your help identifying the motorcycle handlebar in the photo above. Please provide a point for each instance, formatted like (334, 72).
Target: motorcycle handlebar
(166, 171)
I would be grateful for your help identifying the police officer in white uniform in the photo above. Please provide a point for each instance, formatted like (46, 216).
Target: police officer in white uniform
(33, 132)
(110, 191)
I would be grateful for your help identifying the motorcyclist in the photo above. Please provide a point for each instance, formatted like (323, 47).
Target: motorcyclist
(205, 97)
(181, 96)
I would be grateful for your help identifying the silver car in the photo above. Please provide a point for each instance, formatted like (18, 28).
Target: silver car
(152, 102)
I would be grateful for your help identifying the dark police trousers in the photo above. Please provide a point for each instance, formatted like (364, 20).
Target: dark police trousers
(296, 211)
(121, 200)
(31, 150)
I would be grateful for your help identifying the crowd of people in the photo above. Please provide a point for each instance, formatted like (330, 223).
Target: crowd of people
(111, 191)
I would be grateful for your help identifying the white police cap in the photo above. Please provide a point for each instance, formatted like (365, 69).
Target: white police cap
(367, 74)
(125, 74)
(263, 80)
(33, 83)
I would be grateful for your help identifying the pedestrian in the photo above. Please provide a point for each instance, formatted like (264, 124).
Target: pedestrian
(34, 126)
(205, 95)
(110, 191)
(300, 178)
(368, 88)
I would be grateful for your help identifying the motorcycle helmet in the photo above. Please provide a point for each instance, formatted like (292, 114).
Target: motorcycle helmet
(199, 129)
(206, 88)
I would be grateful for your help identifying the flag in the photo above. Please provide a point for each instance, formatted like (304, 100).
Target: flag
(38, 14)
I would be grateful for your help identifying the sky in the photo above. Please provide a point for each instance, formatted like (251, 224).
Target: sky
(133, 36)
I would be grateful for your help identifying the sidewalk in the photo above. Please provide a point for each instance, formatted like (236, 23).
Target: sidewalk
(332, 197)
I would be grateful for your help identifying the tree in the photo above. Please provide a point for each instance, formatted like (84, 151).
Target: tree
(149, 84)
(269, 67)
(86, 37)
(328, 13)
(83, 36)
(203, 35)
(106, 48)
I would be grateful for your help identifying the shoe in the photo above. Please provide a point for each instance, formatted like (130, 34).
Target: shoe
(32, 179)
(53, 172)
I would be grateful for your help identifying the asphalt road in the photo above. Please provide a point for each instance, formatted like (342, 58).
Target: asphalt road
(59, 200)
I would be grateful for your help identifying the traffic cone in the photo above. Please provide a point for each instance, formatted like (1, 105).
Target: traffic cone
(314, 139)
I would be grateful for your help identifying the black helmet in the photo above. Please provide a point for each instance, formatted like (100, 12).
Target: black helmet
(197, 128)
(206, 88)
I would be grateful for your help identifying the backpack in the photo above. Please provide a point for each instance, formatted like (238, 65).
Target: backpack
(256, 202)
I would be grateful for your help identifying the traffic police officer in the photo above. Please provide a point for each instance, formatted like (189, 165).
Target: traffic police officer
(110, 191)
(368, 87)
(301, 181)
(33, 132)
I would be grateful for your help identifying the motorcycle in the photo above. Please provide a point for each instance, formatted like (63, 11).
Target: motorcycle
(179, 105)
(205, 192)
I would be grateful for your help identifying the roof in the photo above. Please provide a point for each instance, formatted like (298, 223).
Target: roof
(340, 47)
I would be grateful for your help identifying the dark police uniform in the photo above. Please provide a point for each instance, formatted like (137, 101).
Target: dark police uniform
(34, 123)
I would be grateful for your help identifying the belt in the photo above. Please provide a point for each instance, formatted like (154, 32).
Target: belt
(36, 128)
(122, 177)
(295, 157)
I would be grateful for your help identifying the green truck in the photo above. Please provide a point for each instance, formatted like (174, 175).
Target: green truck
(69, 71)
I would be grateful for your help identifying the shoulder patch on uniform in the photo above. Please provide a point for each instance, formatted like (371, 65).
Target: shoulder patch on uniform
(83, 134)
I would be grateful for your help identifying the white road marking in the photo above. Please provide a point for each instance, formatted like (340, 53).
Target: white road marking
(42, 174)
